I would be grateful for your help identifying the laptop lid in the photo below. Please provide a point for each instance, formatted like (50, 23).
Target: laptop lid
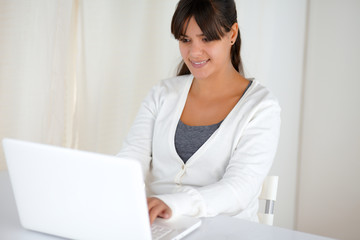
(77, 194)
(82, 195)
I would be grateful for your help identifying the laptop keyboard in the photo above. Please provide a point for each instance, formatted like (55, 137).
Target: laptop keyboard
(158, 232)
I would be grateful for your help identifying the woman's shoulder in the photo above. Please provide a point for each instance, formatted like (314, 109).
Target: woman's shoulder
(173, 85)
(170, 87)
(176, 82)
(260, 94)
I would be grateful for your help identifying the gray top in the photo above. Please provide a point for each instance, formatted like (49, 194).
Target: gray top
(188, 139)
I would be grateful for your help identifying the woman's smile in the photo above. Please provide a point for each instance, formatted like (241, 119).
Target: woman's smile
(199, 64)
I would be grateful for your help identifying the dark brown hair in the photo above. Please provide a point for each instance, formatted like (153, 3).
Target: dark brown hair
(214, 17)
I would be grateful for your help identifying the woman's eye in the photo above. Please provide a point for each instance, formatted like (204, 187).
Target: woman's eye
(184, 40)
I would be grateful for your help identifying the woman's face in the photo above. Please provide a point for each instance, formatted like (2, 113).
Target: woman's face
(205, 59)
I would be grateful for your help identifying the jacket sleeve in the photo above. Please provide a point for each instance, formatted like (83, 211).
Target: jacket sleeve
(240, 185)
(138, 143)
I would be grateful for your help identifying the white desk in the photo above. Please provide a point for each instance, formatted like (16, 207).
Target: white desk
(216, 228)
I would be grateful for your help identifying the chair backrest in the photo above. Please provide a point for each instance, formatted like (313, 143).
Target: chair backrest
(268, 193)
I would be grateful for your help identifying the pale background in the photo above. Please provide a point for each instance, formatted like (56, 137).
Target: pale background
(73, 73)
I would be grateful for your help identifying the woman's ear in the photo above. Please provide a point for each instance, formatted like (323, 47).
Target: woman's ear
(234, 32)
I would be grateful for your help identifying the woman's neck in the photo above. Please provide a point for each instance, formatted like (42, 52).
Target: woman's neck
(221, 84)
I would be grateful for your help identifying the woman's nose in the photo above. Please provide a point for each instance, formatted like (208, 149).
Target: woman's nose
(196, 48)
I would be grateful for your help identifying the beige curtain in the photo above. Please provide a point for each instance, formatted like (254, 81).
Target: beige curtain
(37, 66)
(73, 73)
(127, 48)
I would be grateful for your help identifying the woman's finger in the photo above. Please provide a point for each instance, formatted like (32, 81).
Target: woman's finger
(157, 208)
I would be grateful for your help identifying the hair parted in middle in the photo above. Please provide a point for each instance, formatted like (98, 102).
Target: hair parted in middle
(215, 18)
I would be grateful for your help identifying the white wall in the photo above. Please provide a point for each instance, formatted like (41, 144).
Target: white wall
(273, 34)
(329, 191)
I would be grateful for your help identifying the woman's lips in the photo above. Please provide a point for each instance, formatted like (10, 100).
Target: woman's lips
(199, 64)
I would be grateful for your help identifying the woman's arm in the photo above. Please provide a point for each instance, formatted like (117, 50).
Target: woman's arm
(138, 143)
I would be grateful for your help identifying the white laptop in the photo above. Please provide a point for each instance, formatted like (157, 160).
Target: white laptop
(82, 195)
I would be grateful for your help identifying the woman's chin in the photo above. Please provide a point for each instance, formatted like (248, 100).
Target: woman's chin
(199, 75)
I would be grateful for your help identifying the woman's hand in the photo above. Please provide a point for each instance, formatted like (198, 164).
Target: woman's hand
(157, 208)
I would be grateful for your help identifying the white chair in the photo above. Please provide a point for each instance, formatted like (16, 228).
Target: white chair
(268, 193)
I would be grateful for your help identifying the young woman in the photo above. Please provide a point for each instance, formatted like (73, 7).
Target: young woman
(206, 139)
